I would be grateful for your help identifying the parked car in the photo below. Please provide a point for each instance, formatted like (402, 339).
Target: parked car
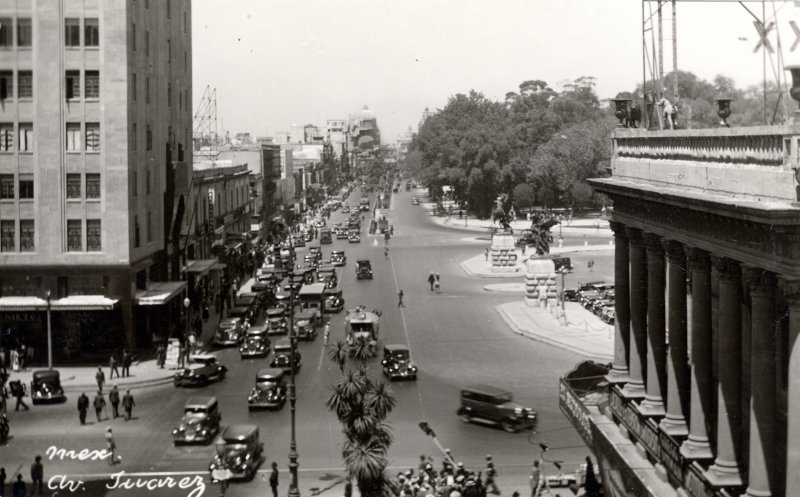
(256, 342)
(283, 355)
(276, 321)
(230, 331)
(200, 421)
(570, 295)
(397, 363)
(338, 258)
(269, 390)
(353, 237)
(239, 454)
(327, 274)
(363, 269)
(495, 405)
(46, 387)
(202, 370)
(325, 236)
(334, 302)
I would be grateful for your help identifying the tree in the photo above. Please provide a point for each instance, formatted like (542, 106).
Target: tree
(523, 196)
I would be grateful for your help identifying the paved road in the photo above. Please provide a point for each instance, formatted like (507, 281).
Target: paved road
(456, 338)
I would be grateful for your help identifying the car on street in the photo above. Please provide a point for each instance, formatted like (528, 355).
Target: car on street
(397, 363)
(256, 342)
(200, 422)
(363, 269)
(230, 331)
(570, 295)
(308, 235)
(202, 370)
(340, 233)
(346, 209)
(299, 241)
(248, 302)
(283, 355)
(46, 387)
(276, 321)
(239, 454)
(353, 237)
(338, 258)
(414, 201)
(334, 302)
(325, 236)
(485, 403)
(269, 390)
(306, 322)
(327, 274)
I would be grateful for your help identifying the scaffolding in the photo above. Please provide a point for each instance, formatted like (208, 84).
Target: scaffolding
(204, 124)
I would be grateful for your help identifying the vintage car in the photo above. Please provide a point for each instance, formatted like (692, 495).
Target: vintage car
(283, 355)
(256, 342)
(230, 331)
(269, 390)
(362, 326)
(319, 222)
(414, 201)
(353, 237)
(341, 233)
(46, 387)
(363, 269)
(346, 209)
(299, 241)
(249, 301)
(306, 322)
(276, 321)
(308, 235)
(334, 302)
(327, 274)
(494, 405)
(397, 363)
(202, 370)
(338, 258)
(325, 236)
(239, 454)
(200, 422)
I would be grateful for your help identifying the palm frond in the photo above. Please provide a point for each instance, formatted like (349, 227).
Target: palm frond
(338, 354)
(380, 400)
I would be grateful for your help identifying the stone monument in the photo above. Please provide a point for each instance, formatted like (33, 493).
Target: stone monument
(504, 255)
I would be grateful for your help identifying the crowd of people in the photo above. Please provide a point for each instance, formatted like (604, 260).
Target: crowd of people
(453, 479)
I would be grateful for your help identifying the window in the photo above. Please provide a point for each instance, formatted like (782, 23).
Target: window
(26, 137)
(26, 186)
(91, 86)
(73, 82)
(169, 95)
(93, 235)
(7, 186)
(93, 137)
(146, 4)
(73, 137)
(6, 137)
(26, 234)
(134, 137)
(147, 90)
(185, 62)
(5, 32)
(25, 84)
(6, 85)
(148, 139)
(91, 32)
(74, 235)
(136, 241)
(92, 186)
(7, 236)
(147, 181)
(149, 228)
(184, 22)
(73, 186)
(169, 9)
(72, 32)
(133, 86)
(133, 36)
(24, 32)
(147, 43)
(169, 51)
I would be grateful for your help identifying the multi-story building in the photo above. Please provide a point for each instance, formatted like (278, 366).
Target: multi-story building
(704, 391)
(95, 132)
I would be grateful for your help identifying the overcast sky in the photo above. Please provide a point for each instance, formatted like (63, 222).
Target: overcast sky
(280, 62)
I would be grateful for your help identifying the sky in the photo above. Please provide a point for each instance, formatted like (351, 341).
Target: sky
(275, 63)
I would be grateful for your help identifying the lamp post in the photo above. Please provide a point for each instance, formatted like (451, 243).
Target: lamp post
(294, 491)
(49, 333)
(563, 272)
(186, 304)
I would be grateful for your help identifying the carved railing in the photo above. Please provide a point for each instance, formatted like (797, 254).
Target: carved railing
(762, 145)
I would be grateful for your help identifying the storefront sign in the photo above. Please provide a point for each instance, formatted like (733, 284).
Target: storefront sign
(671, 458)
(574, 410)
(644, 430)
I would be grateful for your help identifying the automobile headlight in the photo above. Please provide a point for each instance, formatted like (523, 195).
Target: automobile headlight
(518, 410)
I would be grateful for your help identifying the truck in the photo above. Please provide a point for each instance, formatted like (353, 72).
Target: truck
(362, 325)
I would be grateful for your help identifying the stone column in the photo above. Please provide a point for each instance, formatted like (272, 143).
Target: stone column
(653, 404)
(637, 359)
(622, 338)
(762, 384)
(791, 291)
(697, 446)
(678, 373)
(726, 470)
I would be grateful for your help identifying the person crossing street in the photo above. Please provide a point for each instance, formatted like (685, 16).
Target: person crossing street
(113, 397)
(127, 404)
(99, 405)
(83, 406)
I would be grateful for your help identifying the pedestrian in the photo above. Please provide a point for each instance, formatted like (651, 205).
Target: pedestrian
(83, 406)
(99, 404)
(524, 246)
(400, 298)
(198, 325)
(100, 377)
(161, 355)
(431, 280)
(37, 475)
(217, 303)
(436, 282)
(113, 397)
(127, 360)
(2, 482)
(23, 357)
(18, 391)
(273, 479)
(327, 334)
(486, 253)
(18, 489)
(3, 361)
(535, 479)
(127, 404)
(111, 448)
(29, 355)
(112, 365)
(491, 473)
(205, 311)
(193, 341)
(348, 488)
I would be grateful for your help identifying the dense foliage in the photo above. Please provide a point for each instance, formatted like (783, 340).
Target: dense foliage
(540, 145)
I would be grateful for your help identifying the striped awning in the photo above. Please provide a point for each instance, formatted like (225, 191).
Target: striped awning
(159, 293)
(22, 304)
(71, 303)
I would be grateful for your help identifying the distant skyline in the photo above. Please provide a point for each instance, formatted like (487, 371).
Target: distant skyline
(276, 63)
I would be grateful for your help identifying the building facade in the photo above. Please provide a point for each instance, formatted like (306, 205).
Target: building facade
(95, 125)
(703, 394)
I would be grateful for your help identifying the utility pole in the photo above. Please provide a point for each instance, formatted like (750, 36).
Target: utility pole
(674, 51)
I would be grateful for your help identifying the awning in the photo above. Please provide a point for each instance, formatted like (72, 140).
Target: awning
(84, 303)
(199, 266)
(234, 245)
(159, 292)
(22, 304)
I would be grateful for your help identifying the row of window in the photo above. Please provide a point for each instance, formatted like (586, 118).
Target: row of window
(75, 236)
(74, 141)
(75, 186)
(24, 30)
(25, 133)
(7, 184)
(91, 84)
(72, 32)
(24, 85)
(73, 138)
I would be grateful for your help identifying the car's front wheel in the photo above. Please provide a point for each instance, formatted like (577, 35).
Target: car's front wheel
(509, 425)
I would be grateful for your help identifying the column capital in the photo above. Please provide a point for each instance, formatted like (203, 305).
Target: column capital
(790, 289)
(697, 258)
(674, 250)
(619, 229)
(727, 269)
(760, 281)
(634, 235)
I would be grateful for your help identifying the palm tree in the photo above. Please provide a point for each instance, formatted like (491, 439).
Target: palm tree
(338, 354)
(362, 350)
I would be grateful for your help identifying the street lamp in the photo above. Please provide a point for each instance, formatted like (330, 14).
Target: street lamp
(186, 304)
(563, 272)
(294, 491)
(49, 333)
